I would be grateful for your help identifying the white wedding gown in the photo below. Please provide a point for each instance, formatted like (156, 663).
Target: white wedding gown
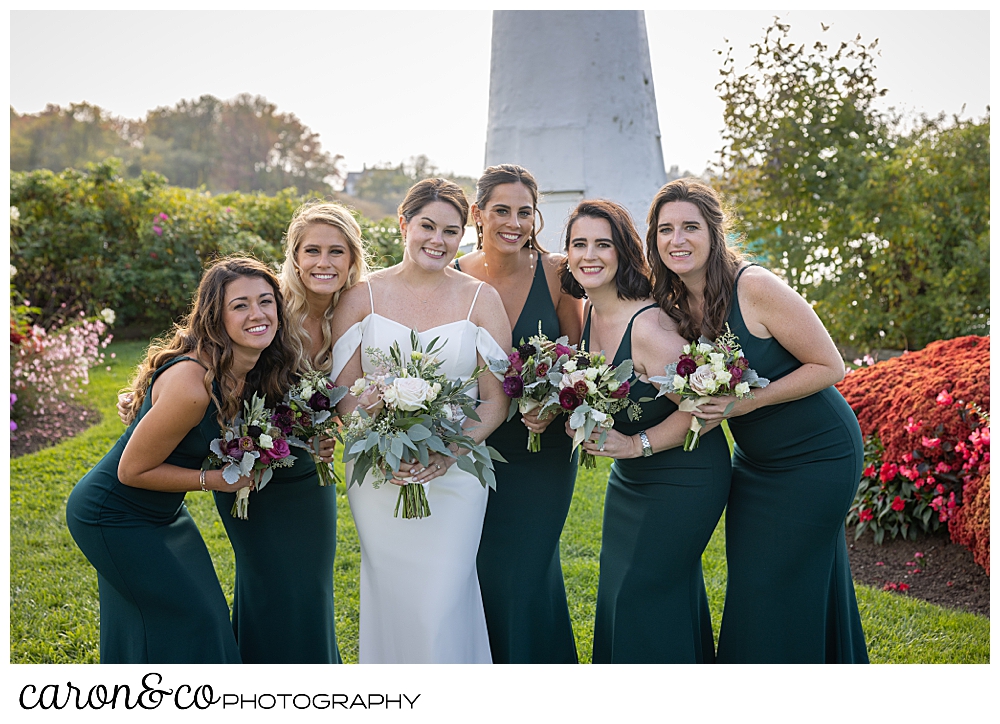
(420, 599)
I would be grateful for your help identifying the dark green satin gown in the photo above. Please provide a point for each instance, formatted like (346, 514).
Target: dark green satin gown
(659, 514)
(161, 602)
(520, 575)
(283, 600)
(796, 467)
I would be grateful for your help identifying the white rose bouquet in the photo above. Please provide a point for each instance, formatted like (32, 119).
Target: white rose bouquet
(406, 409)
(708, 369)
(252, 443)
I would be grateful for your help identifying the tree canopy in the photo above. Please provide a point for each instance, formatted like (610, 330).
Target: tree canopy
(884, 230)
(244, 144)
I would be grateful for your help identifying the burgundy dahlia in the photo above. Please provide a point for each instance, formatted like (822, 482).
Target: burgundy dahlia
(319, 401)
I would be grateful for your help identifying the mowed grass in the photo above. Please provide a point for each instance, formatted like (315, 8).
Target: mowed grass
(54, 611)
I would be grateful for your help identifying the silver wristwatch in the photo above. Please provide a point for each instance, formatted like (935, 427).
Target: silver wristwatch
(647, 449)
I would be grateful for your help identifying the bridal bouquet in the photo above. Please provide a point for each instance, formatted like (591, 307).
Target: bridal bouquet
(406, 409)
(705, 370)
(591, 390)
(308, 412)
(251, 444)
(531, 375)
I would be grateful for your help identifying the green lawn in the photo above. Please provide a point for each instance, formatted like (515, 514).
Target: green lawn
(53, 589)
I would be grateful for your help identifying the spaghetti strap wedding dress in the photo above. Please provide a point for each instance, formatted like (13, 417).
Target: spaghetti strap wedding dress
(420, 598)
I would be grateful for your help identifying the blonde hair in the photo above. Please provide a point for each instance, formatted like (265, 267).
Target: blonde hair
(296, 303)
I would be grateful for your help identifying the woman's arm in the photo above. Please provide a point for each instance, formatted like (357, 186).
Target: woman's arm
(179, 401)
(352, 307)
(491, 316)
(772, 308)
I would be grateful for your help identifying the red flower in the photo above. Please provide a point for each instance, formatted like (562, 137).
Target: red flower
(904, 587)
(944, 398)
(912, 427)
(943, 468)
(869, 471)
(568, 399)
(865, 515)
(888, 472)
(931, 442)
(622, 391)
(581, 389)
(686, 366)
(898, 504)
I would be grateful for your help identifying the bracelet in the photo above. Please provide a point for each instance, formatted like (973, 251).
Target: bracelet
(647, 449)
(201, 480)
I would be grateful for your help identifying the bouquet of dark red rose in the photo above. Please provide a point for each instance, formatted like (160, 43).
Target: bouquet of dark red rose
(307, 414)
(251, 444)
(592, 391)
(531, 375)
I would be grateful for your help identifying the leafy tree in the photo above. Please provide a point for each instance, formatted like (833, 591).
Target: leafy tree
(386, 185)
(829, 194)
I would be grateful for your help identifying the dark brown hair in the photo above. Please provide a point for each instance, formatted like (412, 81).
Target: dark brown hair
(632, 278)
(434, 189)
(720, 270)
(509, 173)
(202, 334)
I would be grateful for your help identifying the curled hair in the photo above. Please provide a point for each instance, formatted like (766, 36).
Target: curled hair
(632, 278)
(434, 189)
(509, 173)
(296, 303)
(202, 335)
(720, 270)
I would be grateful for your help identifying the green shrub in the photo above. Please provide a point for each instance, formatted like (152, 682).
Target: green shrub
(92, 239)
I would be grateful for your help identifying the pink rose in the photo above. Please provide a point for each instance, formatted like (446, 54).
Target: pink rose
(515, 361)
(279, 449)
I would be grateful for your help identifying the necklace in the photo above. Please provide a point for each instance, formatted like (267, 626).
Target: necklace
(531, 263)
(414, 294)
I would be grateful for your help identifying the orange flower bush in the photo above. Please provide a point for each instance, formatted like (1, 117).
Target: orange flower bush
(925, 418)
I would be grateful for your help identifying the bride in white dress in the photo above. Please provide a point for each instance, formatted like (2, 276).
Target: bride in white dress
(420, 600)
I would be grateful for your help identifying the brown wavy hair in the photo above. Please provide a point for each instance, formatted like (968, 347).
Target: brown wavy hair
(509, 173)
(202, 335)
(720, 270)
(632, 278)
(434, 189)
(339, 217)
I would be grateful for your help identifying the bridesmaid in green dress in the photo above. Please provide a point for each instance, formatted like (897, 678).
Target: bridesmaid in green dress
(662, 503)
(161, 601)
(283, 611)
(520, 575)
(798, 454)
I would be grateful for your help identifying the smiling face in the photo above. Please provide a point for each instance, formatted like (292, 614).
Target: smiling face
(507, 217)
(432, 235)
(323, 259)
(250, 315)
(591, 254)
(683, 239)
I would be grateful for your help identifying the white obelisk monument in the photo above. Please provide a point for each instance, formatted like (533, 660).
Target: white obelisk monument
(571, 100)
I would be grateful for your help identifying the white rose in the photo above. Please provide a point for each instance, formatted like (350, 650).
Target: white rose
(679, 383)
(717, 358)
(266, 442)
(723, 376)
(741, 389)
(591, 387)
(435, 391)
(411, 393)
(307, 392)
(613, 384)
(704, 348)
(591, 373)
(108, 315)
(359, 386)
(570, 366)
(703, 380)
(389, 395)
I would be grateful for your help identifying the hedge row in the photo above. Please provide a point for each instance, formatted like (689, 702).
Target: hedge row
(83, 240)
